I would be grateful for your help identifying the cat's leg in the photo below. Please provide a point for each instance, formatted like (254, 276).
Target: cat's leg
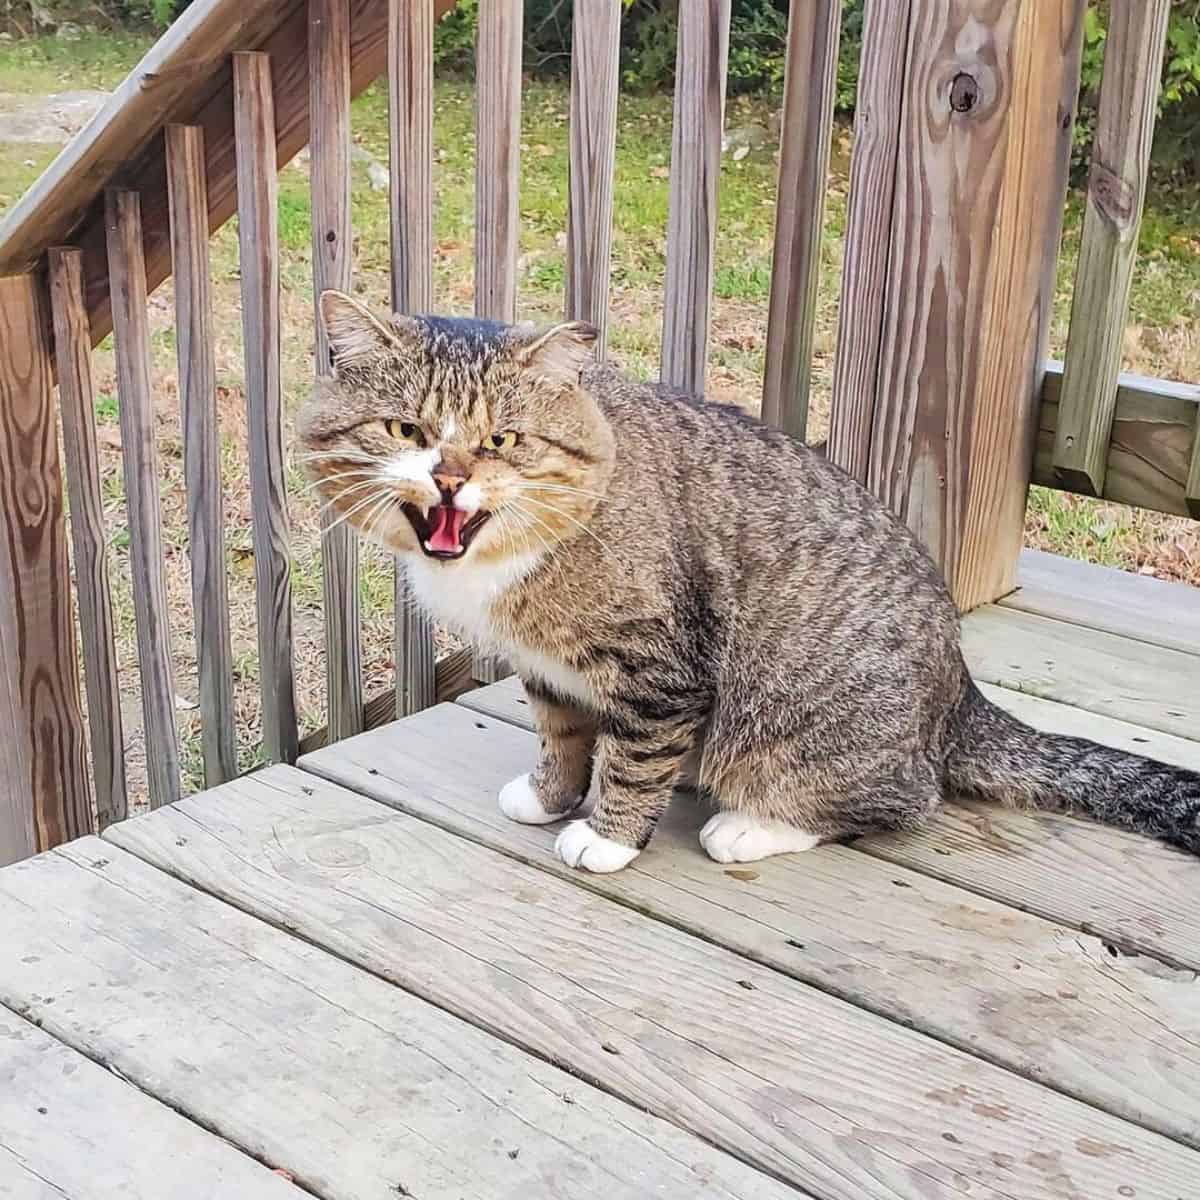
(559, 784)
(637, 766)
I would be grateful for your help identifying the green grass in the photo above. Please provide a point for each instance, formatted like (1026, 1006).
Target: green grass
(96, 60)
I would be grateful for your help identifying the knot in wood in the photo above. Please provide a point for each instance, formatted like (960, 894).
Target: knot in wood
(964, 92)
(1112, 196)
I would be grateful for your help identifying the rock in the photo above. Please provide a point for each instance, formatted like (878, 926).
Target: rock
(52, 119)
(741, 139)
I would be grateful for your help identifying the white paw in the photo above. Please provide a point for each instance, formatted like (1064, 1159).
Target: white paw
(579, 845)
(739, 837)
(519, 802)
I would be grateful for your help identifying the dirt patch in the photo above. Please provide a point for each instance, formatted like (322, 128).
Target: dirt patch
(47, 120)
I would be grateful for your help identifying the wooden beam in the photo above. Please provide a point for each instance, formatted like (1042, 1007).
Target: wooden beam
(595, 60)
(45, 796)
(132, 350)
(699, 118)
(1191, 489)
(329, 103)
(1133, 52)
(201, 448)
(258, 233)
(808, 98)
(410, 111)
(77, 404)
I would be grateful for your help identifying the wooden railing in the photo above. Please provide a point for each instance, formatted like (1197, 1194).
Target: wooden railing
(940, 395)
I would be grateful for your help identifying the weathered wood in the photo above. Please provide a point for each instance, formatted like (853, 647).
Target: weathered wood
(188, 194)
(353, 1086)
(985, 138)
(808, 97)
(1155, 434)
(454, 675)
(39, 672)
(329, 104)
(906, 947)
(72, 1130)
(1116, 191)
(1133, 917)
(1100, 672)
(410, 94)
(1117, 602)
(1191, 488)
(89, 542)
(595, 62)
(131, 337)
(258, 233)
(701, 59)
(866, 266)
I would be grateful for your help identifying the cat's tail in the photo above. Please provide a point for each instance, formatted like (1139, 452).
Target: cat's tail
(993, 755)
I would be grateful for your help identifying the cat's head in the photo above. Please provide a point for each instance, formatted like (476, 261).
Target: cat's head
(455, 438)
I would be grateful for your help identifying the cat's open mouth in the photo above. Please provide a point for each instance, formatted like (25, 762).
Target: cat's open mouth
(445, 532)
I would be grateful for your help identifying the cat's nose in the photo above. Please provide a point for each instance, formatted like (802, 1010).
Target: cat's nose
(448, 478)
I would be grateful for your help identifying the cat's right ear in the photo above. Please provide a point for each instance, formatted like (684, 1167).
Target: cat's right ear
(356, 335)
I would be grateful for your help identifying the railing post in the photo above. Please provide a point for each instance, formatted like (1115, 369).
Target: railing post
(45, 797)
(941, 358)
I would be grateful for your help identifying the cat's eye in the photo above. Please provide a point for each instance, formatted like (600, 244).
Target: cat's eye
(404, 431)
(501, 441)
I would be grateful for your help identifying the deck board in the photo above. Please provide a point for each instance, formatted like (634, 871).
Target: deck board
(818, 1092)
(361, 1091)
(70, 1130)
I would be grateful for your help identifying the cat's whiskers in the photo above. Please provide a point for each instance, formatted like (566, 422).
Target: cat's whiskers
(370, 524)
(346, 492)
(357, 473)
(354, 508)
(530, 486)
(579, 524)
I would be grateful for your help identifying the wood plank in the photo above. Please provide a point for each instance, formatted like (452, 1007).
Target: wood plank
(595, 64)
(1130, 914)
(1087, 668)
(194, 338)
(39, 671)
(76, 397)
(1118, 602)
(907, 948)
(808, 98)
(258, 234)
(701, 62)
(1155, 436)
(72, 1130)
(1191, 489)
(410, 124)
(1116, 192)
(333, 251)
(132, 350)
(355, 1087)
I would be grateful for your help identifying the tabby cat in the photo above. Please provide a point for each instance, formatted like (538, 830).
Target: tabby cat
(689, 596)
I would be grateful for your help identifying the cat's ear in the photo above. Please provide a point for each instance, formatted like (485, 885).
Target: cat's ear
(559, 354)
(355, 333)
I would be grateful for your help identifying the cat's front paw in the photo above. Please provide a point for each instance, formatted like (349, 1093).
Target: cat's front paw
(738, 837)
(579, 845)
(519, 802)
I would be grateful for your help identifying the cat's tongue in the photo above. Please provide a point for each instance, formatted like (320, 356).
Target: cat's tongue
(446, 533)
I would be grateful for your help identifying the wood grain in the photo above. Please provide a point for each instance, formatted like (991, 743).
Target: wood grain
(410, 125)
(866, 266)
(356, 1088)
(39, 670)
(1192, 486)
(1117, 602)
(89, 542)
(595, 63)
(258, 234)
(194, 338)
(1123, 902)
(1116, 192)
(131, 337)
(72, 1130)
(701, 60)
(883, 938)
(1155, 435)
(808, 98)
(329, 104)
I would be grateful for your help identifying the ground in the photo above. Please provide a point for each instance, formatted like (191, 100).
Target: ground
(1163, 338)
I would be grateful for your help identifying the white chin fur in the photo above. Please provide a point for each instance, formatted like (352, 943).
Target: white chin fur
(737, 837)
(519, 802)
(579, 845)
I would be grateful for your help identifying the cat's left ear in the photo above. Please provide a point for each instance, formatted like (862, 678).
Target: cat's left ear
(355, 333)
(559, 354)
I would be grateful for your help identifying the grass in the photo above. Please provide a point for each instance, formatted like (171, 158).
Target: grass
(1162, 340)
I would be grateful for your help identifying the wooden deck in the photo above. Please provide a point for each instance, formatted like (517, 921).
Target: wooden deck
(359, 973)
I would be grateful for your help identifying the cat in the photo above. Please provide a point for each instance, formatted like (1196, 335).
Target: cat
(689, 597)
